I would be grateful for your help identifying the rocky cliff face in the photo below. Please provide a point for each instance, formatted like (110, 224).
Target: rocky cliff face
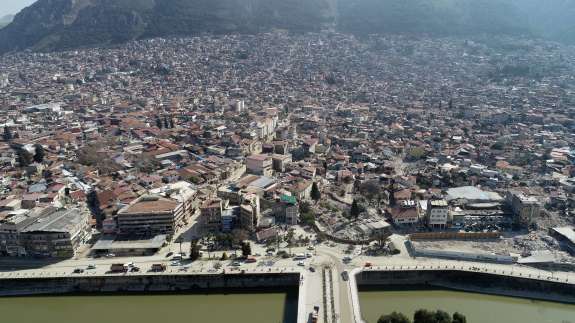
(64, 24)
(61, 24)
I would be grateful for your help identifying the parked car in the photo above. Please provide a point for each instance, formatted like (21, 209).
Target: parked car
(78, 271)
(135, 269)
(90, 267)
(169, 254)
(118, 268)
(158, 267)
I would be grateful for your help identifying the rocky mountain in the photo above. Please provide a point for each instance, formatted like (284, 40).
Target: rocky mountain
(64, 24)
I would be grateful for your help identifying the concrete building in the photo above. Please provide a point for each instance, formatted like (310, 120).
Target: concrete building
(437, 214)
(279, 162)
(259, 165)
(405, 214)
(211, 215)
(525, 208)
(56, 233)
(150, 215)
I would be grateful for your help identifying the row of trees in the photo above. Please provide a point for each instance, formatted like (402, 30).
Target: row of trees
(424, 316)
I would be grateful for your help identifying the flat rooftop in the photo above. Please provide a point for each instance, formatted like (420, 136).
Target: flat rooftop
(153, 204)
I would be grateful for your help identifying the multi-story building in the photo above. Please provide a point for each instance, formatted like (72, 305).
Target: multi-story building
(437, 214)
(150, 215)
(259, 165)
(525, 208)
(279, 162)
(56, 233)
(211, 215)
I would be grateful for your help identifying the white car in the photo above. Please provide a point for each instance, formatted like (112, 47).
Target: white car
(301, 263)
(175, 263)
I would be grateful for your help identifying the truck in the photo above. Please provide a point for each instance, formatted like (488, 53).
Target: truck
(314, 315)
(158, 267)
(118, 268)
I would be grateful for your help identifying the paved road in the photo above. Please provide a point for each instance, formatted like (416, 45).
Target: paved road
(343, 297)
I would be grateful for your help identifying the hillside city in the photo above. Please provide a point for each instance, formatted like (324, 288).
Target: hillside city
(237, 149)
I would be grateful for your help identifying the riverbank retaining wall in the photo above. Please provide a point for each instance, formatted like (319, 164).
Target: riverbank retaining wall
(469, 281)
(147, 283)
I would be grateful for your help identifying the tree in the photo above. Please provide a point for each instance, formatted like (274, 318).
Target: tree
(315, 193)
(39, 153)
(158, 122)
(246, 249)
(394, 317)
(224, 256)
(370, 189)
(289, 238)
(194, 250)
(355, 209)
(7, 136)
(459, 318)
(423, 316)
(308, 218)
(441, 317)
(304, 207)
(25, 158)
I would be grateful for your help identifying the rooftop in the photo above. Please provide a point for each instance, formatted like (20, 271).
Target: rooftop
(150, 204)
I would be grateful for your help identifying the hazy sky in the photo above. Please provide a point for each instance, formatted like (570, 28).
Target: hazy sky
(13, 6)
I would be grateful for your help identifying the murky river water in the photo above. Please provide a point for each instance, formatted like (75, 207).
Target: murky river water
(213, 308)
(478, 308)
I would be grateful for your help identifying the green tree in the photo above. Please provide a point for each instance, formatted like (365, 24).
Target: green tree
(289, 238)
(355, 209)
(315, 193)
(7, 136)
(194, 250)
(39, 153)
(459, 318)
(441, 317)
(394, 317)
(423, 316)
(304, 207)
(25, 158)
(246, 249)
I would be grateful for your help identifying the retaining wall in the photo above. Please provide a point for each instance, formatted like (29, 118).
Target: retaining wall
(146, 283)
(470, 281)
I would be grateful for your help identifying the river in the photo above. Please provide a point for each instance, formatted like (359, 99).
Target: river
(478, 308)
(214, 308)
